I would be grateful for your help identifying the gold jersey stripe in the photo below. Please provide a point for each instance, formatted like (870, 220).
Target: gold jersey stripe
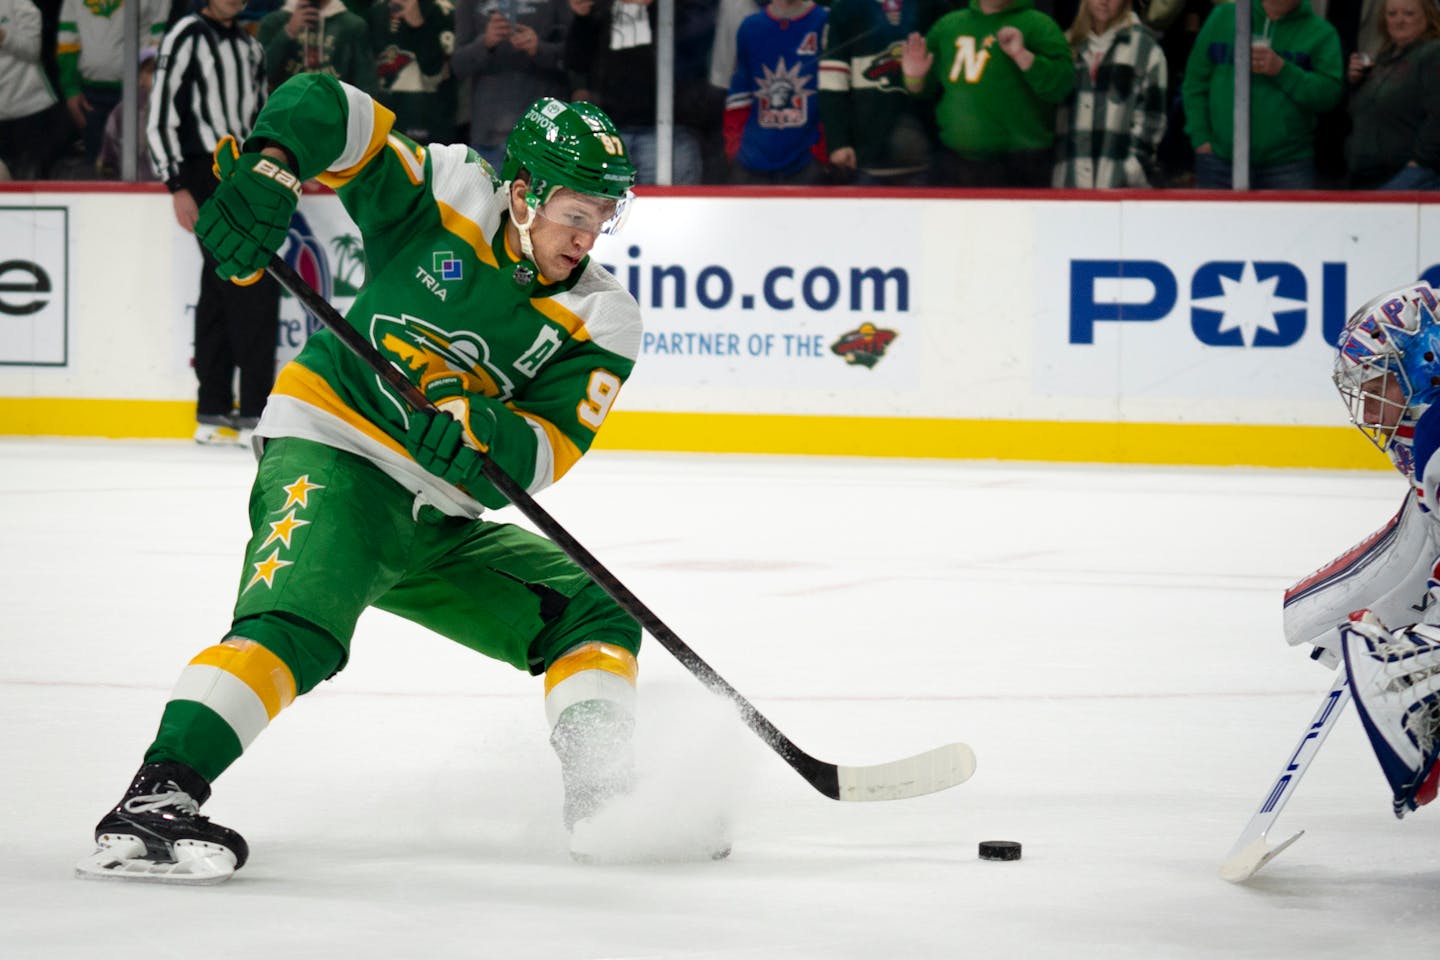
(379, 133)
(309, 387)
(414, 162)
(566, 318)
(564, 453)
(468, 230)
(259, 669)
(605, 657)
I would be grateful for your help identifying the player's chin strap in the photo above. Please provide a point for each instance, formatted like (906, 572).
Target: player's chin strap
(532, 204)
(527, 250)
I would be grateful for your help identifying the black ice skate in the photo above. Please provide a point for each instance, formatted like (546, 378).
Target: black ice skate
(157, 833)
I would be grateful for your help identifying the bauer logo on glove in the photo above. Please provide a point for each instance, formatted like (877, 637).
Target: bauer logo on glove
(269, 168)
(247, 219)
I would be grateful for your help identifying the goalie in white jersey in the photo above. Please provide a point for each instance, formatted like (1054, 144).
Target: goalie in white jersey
(1375, 607)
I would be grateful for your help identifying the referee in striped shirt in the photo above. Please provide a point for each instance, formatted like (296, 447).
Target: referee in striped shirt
(209, 84)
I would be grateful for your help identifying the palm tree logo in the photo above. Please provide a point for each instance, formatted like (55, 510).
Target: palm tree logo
(349, 265)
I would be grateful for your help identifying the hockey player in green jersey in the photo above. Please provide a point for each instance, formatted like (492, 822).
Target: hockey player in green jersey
(481, 289)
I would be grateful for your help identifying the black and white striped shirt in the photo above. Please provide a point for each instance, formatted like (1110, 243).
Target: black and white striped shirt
(209, 83)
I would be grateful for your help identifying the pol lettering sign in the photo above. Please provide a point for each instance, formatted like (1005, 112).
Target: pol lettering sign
(34, 286)
(1192, 303)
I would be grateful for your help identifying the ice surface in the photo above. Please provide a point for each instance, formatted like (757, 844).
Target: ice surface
(1107, 639)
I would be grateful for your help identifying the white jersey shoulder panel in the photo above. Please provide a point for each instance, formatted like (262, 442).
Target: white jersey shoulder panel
(461, 182)
(610, 314)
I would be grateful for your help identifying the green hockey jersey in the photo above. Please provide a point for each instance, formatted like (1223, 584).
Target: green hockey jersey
(444, 294)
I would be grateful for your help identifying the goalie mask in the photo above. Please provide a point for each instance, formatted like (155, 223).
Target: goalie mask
(1388, 368)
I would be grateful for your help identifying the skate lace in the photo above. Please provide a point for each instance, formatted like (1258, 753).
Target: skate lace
(172, 797)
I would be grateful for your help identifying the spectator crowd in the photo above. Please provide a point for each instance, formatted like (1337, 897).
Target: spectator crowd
(969, 93)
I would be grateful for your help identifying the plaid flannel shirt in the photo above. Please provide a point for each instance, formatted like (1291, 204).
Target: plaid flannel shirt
(1107, 131)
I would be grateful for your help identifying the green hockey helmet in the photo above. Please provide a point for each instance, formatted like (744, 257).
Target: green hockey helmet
(572, 145)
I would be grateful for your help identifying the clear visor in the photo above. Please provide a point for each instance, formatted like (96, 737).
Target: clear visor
(584, 212)
(1375, 396)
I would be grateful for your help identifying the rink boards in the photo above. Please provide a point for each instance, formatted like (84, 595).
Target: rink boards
(1142, 328)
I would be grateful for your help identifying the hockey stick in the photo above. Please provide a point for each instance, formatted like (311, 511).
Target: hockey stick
(928, 772)
(1251, 851)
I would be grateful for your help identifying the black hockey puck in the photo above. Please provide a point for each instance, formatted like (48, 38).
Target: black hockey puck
(999, 850)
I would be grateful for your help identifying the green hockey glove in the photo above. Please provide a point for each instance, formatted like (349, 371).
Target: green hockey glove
(436, 441)
(446, 443)
(246, 219)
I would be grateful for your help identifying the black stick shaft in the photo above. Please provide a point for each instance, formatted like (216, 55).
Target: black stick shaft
(822, 776)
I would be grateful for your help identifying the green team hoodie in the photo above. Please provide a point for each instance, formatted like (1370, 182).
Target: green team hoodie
(1283, 108)
(989, 106)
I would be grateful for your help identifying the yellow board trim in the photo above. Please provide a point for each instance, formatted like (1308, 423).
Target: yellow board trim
(592, 656)
(1331, 448)
(258, 668)
(1049, 441)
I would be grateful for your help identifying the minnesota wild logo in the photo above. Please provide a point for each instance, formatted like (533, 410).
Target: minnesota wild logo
(864, 346)
(426, 350)
(103, 8)
(884, 68)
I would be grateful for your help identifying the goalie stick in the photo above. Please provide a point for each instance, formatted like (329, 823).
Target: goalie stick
(1252, 850)
(928, 772)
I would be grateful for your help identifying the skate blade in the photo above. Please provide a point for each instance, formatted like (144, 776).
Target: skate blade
(121, 857)
(217, 436)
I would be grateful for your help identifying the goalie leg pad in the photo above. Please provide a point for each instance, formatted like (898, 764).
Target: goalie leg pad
(1396, 682)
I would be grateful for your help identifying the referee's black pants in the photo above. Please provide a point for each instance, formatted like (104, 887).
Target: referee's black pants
(235, 328)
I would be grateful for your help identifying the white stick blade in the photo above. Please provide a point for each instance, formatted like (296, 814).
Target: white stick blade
(927, 772)
(1247, 861)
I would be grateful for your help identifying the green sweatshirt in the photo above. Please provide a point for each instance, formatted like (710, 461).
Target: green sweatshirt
(1283, 108)
(988, 105)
